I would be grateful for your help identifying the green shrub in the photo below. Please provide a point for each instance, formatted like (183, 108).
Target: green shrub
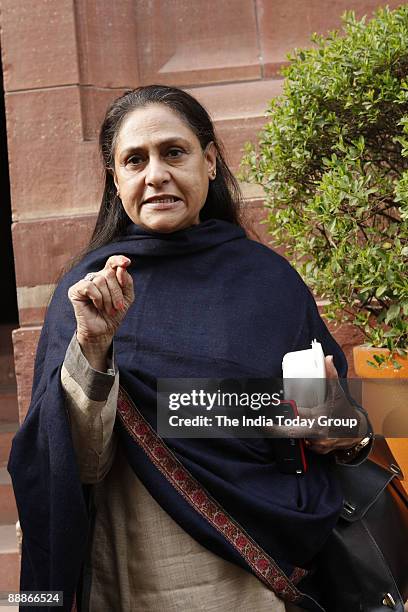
(333, 163)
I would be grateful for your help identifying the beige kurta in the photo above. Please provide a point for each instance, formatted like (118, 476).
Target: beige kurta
(140, 559)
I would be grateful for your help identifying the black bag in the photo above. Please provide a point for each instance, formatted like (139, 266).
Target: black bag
(364, 564)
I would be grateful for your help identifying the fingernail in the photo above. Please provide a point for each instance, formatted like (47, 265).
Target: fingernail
(121, 306)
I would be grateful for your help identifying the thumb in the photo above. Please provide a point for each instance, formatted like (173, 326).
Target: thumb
(331, 371)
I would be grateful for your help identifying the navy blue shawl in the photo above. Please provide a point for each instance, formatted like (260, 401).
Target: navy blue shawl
(209, 303)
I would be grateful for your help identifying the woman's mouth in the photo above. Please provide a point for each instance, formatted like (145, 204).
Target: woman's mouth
(163, 204)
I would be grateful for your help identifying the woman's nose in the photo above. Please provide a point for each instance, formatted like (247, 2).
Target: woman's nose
(156, 172)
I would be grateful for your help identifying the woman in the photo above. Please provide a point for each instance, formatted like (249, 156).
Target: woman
(169, 287)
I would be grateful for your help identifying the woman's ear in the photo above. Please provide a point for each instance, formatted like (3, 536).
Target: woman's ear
(210, 155)
(115, 180)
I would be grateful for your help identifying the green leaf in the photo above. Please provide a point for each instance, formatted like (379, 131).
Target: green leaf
(392, 313)
(381, 290)
(396, 365)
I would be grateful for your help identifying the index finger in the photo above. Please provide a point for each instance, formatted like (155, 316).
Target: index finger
(117, 260)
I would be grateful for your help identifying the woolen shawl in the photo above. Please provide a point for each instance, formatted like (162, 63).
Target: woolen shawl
(209, 303)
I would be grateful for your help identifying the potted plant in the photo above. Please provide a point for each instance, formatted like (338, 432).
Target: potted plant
(333, 162)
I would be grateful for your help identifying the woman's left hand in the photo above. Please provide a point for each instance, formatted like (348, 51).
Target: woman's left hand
(326, 445)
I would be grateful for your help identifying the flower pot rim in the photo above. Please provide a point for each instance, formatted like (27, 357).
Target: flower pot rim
(365, 370)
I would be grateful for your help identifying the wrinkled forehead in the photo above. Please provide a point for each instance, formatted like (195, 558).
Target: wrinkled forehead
(153, 126)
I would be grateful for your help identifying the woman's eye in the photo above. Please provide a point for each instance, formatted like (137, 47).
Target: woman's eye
(134, 160)
(174, 152)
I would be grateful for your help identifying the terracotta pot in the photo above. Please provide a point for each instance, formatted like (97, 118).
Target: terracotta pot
(385, 397)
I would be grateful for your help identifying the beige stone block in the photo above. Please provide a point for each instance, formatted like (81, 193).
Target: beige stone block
(185, 43)
(42, 248)
(234, 134)
(236, 101)
(31, 316)
(107, 43)
(52, 170)
(25, 342)
(286, 24)
(8, 509)
(238, 111)
(38, 42)
(94, 104)
(9, 562)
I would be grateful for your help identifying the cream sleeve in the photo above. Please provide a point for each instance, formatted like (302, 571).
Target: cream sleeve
(91, 401)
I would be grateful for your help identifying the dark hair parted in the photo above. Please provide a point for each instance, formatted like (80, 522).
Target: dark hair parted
(224, 199)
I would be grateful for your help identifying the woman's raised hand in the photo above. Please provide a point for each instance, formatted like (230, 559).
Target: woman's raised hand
(100, 306)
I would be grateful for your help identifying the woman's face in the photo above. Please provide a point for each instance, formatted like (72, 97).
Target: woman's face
(161, 172)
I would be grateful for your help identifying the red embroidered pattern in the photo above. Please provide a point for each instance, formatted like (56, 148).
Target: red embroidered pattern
(297, 574)
(165, 461)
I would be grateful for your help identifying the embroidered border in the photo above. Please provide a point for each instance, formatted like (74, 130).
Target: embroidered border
(162, 457)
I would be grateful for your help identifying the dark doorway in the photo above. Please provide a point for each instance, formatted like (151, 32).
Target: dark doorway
(9, 420)
(8, 303)
(8, 306)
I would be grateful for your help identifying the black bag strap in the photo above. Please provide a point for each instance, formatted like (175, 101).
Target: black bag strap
(363, 483)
